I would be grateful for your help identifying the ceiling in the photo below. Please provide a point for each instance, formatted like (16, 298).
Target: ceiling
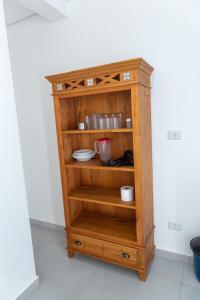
(52, 11)
(15, 11)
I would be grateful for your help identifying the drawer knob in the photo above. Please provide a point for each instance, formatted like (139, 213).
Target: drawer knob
(78, 243)
(125, 255)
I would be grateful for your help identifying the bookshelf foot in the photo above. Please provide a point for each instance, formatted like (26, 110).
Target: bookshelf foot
(142, 275)
(70, 253)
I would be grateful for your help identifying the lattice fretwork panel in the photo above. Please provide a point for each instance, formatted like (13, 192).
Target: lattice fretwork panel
(108, 79)
(99, 80)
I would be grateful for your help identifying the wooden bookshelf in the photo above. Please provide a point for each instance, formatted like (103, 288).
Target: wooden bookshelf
(98, 222)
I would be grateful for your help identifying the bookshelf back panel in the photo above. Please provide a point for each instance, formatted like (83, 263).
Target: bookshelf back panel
(73, 110)
(98, 178)
(106, 179)
(119, 143)
(110, 211)
(68, 113)
(117, 102)
(77, 208)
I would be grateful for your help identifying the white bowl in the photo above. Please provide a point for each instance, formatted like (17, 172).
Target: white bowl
(83, 152)
(83, 157)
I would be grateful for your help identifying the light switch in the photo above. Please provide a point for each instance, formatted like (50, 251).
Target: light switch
(174, 226)
(174, 135)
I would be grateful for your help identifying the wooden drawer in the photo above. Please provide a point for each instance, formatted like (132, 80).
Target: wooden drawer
(85, 244)
(124, 255)
(130, 256)
(112, 251)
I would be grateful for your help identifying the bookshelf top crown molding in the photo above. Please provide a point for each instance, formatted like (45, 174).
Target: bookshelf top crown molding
(123, 72)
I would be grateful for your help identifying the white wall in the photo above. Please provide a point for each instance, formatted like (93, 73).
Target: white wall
(17, 268)
(167, 34)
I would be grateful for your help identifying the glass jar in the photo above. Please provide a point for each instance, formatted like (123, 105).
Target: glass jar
(128, 123)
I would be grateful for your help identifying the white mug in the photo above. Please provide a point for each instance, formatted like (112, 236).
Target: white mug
(81, 126)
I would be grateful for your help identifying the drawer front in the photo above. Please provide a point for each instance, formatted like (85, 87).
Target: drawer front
(112, 251)
(86, 244)
(124, 255)
(130, 256)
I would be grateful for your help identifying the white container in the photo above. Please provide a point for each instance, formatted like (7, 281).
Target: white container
(126, 193)
(81, 126)
(128, 123)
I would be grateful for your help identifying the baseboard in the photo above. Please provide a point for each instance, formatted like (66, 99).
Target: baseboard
(174, 256)
(46, 224)
(159, 252)
(29, 290)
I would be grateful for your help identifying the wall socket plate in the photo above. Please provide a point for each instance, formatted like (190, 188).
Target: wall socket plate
(174, 135)
(174, 226)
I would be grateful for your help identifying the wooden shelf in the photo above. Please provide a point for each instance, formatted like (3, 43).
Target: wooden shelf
(97, 165)
(101, 196)
(118, 130)
(106, 227)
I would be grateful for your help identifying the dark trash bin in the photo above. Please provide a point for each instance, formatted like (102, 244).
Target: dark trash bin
(195, 246)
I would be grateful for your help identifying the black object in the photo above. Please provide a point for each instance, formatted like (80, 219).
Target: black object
(125, 160)
(195, 246)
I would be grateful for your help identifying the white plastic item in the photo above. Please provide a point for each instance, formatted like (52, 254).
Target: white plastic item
(126, 193)
(128, 123)
(81, 126)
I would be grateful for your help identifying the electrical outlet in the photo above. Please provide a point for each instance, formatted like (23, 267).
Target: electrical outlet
(174, 226)
(174, 135)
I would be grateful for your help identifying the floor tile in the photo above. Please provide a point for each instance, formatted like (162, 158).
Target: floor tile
(167, 268)
(38, 245)
(189, 276)
(114, 285)
(56, 237)
(61, 277)
(189, 260)
(189, 292)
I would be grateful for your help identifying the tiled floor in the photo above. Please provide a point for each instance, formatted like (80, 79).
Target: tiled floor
(83, 278)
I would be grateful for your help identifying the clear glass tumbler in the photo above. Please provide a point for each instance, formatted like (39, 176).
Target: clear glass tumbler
(120, 120)
(94, 117)
(88, 122)
(115, 120)
(106, 121)
(100, 122)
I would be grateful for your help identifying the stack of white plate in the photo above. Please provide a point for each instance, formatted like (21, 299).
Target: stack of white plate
(83, 154)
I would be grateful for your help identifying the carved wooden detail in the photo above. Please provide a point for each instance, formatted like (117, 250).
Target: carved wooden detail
(100, 80)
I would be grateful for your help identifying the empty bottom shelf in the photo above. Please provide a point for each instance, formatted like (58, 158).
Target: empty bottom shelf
(110, 227)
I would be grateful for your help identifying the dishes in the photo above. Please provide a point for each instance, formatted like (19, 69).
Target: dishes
(83, 154)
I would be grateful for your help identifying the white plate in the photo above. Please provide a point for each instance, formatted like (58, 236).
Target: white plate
(82, 157)
(83, 151)
(83, 154)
